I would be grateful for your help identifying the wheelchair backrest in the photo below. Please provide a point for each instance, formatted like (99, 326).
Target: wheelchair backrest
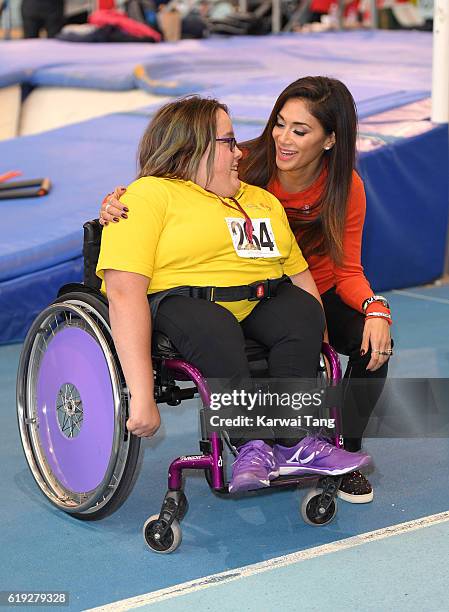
(91, 252)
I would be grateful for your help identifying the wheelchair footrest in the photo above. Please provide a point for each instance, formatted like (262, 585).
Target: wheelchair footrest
(291, 481)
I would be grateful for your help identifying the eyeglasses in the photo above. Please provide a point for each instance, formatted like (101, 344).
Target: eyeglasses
(231, 142)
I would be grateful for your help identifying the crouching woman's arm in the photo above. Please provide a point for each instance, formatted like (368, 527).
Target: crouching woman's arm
(130, 318)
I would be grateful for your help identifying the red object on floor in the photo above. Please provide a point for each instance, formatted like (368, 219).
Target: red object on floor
(120, 20)
(9, 175)
(105, 4)
(323, 6)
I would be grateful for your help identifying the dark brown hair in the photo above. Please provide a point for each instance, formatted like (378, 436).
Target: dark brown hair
(331, 103)
(177, 138)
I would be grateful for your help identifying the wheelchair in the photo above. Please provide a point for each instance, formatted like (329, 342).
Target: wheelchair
(73, 402)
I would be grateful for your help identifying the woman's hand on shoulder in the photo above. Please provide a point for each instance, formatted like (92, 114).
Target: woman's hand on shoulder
(112, 209)
(377, 337)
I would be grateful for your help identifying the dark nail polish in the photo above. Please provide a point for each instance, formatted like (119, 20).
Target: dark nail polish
(126, 209)
(115, 219)
(362, 352)
(124, 216)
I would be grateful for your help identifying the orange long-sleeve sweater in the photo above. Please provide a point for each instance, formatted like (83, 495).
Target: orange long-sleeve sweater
(349, 279)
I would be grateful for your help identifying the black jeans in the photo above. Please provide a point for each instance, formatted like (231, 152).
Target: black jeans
(42, 14)
(290, 325)
(345, 327)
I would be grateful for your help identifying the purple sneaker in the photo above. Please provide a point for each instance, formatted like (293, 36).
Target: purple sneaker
(254, 467)
(316, 456)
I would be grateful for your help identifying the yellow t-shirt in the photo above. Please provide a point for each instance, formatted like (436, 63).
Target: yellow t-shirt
(178, 234)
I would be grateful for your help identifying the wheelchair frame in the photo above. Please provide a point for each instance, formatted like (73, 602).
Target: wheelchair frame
(79, 318)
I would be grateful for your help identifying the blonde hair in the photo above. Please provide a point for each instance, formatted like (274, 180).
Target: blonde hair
(177, 138)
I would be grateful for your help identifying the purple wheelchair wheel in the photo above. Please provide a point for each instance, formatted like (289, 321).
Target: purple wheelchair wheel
(74, 395)
(72, 407)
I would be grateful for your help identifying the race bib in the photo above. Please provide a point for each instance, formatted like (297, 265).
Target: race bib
(263, 244)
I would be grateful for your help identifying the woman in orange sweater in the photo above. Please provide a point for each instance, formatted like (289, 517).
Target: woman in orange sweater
(306, 157)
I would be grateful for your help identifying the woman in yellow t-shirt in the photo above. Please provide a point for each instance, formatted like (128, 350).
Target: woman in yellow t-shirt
(197, 231)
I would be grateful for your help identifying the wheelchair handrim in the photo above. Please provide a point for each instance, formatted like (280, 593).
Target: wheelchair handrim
(75, 502)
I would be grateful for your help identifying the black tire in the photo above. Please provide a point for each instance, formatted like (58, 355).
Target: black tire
(309, 510)
(171, 541)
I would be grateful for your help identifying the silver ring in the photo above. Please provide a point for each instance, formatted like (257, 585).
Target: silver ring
(106, 207)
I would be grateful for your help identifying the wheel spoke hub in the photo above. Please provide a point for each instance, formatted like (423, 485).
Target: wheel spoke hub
(69, 408)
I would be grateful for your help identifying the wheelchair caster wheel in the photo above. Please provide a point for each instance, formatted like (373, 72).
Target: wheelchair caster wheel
(315, 515)
(166, 543)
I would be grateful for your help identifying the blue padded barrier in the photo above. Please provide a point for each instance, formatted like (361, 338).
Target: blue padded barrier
(108, 77)
(82, 161)
(407, 191)
(33, 54)
(351, 56)
(8, 78)
(23, 298)
(212, 73)
(380, 104)
(144, 79)
(250, 103)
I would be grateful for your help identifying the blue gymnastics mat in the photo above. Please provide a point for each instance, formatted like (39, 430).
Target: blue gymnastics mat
(356, 57)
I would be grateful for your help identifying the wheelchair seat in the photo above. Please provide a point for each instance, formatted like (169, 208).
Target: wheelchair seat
(162, 348)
